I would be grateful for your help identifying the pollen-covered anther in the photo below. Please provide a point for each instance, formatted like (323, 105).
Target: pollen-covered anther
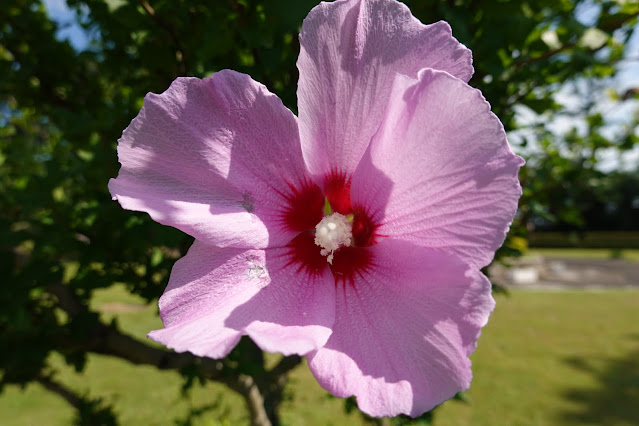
(331, 233)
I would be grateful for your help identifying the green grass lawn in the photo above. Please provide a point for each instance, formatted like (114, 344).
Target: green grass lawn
(567, 358)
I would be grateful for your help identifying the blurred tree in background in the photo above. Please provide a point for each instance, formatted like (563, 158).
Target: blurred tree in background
(62, 110)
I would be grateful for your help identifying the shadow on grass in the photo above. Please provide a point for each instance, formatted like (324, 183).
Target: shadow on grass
(615, 401)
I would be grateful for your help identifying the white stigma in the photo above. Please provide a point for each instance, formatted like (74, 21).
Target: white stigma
(331, 233)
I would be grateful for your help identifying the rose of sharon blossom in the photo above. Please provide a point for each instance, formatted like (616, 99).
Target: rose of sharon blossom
(382, 293)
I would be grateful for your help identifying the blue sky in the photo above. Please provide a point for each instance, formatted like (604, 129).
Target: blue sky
(69, 29)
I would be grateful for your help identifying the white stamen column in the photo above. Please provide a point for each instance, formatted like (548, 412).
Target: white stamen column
(331, 233)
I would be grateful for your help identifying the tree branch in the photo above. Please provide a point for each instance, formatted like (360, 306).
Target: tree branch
(108, 340)
(67, 301)
(272, 384)
(246, 386)
(179, 51)
(285, 365)
(58, 388)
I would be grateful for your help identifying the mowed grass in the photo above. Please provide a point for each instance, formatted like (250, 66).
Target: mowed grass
(562, 358)
(566, 358)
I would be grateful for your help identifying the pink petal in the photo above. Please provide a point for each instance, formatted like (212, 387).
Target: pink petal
(350, 53)
(216, 158)
(440, 172)
(216, 295)
(404, 330)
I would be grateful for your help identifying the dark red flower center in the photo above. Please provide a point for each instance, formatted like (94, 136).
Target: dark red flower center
(306, 209)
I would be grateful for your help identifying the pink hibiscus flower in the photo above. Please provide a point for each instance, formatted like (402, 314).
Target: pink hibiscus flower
(383, 294)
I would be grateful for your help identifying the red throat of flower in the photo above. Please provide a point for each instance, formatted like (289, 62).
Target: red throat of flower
(335, 237)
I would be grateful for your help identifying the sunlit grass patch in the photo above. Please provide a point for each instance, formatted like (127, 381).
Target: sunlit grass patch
(563, 358)
(546, 359)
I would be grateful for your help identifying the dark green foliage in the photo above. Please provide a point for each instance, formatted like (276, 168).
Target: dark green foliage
(63, 110)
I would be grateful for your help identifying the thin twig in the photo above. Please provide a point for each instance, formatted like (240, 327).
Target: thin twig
(169, 30)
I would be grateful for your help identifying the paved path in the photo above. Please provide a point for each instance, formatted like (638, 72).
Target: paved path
(567, 273)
